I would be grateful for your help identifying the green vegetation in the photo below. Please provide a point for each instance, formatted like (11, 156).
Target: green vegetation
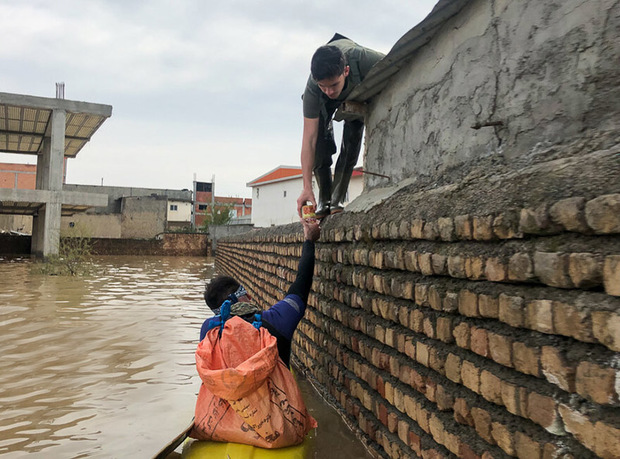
(74, 254)
(220, 214)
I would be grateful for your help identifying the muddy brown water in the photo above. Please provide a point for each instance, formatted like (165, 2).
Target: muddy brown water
(103, 365)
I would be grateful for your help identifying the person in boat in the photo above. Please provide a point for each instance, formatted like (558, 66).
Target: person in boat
(282, 318)
(335, 70)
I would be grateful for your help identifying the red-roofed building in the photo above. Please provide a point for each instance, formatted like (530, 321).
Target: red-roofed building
(274, 195)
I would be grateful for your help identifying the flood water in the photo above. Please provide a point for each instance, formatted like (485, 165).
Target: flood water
(103, 365)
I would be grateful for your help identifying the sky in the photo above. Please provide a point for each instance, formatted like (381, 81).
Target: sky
(198, 88)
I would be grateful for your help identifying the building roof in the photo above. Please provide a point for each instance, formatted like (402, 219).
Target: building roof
(279, 174)
(26, 120)
(400, 54)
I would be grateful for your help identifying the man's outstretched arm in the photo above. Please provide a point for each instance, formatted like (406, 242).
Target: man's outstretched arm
(303, 282)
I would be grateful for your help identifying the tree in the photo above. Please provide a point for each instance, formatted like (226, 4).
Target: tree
(220, 214)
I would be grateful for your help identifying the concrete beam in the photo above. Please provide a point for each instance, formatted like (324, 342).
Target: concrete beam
(49, 103)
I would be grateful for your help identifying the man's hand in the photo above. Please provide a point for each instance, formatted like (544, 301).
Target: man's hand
(312, 230)
(304, 197)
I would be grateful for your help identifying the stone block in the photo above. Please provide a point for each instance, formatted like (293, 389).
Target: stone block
(456, 266)
(450, 301)
(444, 329)
(488, 306)
(470, 375)
(425, 263)
(482, 424)
(552, 269)
(578, 425)
(570, 214)
(445, 226)
(611, 275)
(526, 358)
(526, 447)
(474, 268)
(462, 335)
(416, 228)
(430, 232)
(479, 342)
(468, 303)
(482, 227)
(520, 267)
(506, 225)
(606, 328)
(543, 410)
(514, 398)
(537, 221)
(500, 348)
(511, 310)
(556, 369)
(585, 269)
(463, 227)
(462, 412)
(411, 261)
(445, 399)
(570, 320)
(606, 440)
(596, 383)
(539, 316)
(490, 387)
(603, 214)
(453, 368)
(496, 270)
(503, 437)
(438, 263)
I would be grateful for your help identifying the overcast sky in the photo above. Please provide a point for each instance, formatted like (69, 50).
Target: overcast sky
(197, 86)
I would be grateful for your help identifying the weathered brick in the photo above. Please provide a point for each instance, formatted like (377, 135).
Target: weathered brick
(482, 424)
(537, 221)
(463, 227)
(511, 310)
(579, 425)
(543, 410)
(422, 353)
(520, 267)
(425, 263)
(552, 269)
(585, 269)
(482, 227)
(421, 294)
(444, 329)
(462, 335)
(496, 270)
(462, 412)
(556, 369)
(445, 225)
(468, 303)
(607, 440)
(611, 275)
(500, 348)
(438, 263)
(470, 375)
(474, 268)
(526, 447)
(428, 327)
(514, 398)
(416, 319)
(539, 316)
(606, 328)
(596, 383)
(444, 397)
(526, 358)
(479, 342)
(506, 225)
(450, 302)
(456, 266)
(572, 320)
(503, 437)
(488, 306)
(603, 214)
(416, 228)
(570, 214)
(490, 387)
(430, 231)
(453, 368)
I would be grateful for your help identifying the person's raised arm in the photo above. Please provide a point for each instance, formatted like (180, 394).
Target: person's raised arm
(308, 148)
(303, 282)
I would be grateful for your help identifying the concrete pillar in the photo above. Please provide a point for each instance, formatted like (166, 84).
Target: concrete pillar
(50, 165)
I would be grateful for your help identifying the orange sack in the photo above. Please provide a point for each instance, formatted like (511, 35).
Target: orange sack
(247, 394)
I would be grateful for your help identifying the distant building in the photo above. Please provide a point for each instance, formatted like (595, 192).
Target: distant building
(274, 195)
(240, 208)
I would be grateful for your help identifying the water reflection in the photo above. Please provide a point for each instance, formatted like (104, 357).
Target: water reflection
(103, 366)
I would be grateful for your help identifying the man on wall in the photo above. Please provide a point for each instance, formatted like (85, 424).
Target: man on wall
(336, 69)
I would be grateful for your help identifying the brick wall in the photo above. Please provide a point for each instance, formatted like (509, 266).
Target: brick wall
(492, 333)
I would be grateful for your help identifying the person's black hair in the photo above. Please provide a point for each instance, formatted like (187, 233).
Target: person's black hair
(218, 290)
(327, 62)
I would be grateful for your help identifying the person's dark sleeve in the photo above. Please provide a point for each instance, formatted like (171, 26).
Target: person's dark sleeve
(303, 282)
